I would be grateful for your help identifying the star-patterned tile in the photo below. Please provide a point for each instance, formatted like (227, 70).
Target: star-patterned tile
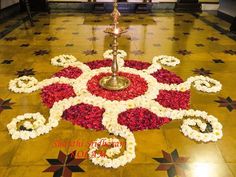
(230, 52)
(25, 72)
(184, 52)
(10, 38)
(227, 102)
(218, 61)
(37, 33)
(5, 104)
(51, 38)
(199, 45)
(7, 61)
(64, 165)
(172, 163)
(186, 33)
(90, 52)
(69, 45)
(173, 38)
(24, 45)
(41, 52)
(198, 29)
(212, 38)
(202, 71)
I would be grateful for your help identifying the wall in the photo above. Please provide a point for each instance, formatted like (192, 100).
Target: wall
(6, 3)
(228, 7)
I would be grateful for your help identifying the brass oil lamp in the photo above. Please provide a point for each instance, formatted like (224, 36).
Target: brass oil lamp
(114, 82)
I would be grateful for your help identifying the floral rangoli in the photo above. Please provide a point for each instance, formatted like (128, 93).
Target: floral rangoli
(154, 98)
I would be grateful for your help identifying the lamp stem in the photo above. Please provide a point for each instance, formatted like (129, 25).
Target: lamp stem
(114, 67)
(114, 82)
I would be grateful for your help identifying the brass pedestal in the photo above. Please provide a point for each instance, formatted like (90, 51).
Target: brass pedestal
(114, 82)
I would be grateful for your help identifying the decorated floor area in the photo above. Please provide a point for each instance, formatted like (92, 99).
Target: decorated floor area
(164, 92)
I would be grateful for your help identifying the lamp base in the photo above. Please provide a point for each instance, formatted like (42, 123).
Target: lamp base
(114, 83)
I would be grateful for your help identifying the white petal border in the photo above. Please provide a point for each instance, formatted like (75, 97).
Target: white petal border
(28, 84)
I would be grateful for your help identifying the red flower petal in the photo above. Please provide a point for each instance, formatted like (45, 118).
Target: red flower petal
(139, 65)
(56, 92)
(140, 119)
(167, 77)
(137, 87)
(174, 99)
(99, 63)
(69, 72)
(85, 115)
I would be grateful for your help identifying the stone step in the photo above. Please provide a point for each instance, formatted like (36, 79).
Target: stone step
(188, 7)
(99, 8)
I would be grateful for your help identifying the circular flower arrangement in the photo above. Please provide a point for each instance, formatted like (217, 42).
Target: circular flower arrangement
(137, 87)
(154, 97)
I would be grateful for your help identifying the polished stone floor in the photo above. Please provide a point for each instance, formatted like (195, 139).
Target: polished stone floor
(193, 39)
